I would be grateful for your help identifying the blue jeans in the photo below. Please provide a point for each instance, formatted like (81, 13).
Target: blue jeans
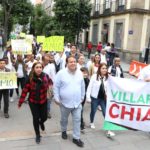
(48, 105)
(76, 118)
(94, 104)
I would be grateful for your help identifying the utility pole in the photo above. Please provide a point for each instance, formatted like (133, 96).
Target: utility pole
(147, 53)
(78, 27)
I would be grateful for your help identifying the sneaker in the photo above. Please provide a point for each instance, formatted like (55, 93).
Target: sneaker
(78, 142)
(49, 115)
(92, 126)
(11, 99)
(110, 134)
(38, 139)
(42, 126)
(6, 115)
(99, 108)
(64, 135)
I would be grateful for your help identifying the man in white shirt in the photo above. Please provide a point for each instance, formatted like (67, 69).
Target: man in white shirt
(69, 92)
(49, 68)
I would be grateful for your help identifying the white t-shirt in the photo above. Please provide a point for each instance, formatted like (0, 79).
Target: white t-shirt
(108, 48)
(103, 58)
(50, 70)
(118, 71)
(20, 71)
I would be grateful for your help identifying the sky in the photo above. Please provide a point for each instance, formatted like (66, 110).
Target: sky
(33, 1)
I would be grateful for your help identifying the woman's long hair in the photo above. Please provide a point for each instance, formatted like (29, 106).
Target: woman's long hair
(99, 70)
(99, 60)
(31, 75)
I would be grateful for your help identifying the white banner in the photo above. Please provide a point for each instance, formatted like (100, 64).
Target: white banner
(128, 103)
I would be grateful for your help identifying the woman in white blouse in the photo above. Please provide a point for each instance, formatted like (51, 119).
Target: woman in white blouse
(96, 93)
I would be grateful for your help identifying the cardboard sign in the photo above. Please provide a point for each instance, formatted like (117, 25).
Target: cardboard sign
(8, 80)
(21, 46)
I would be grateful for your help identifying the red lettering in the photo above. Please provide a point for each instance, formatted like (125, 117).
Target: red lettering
(147, 116)
(111, 111)
(124, 112)
(138, 114)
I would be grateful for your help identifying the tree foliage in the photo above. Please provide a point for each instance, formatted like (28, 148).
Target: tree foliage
(15, 11)
(73, 16)
(41, 23)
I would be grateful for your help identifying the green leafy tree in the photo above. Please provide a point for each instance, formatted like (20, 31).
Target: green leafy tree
(15, 11)
(41, 23)
(72, 16)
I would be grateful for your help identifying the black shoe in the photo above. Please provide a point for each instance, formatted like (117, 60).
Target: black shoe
(42, 126)
(82, 127)
(6, 115)
(38, 139)
(64, 135)
(78, 142)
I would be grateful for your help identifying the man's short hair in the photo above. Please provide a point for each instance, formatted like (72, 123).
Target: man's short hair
(73, 45)
(69, 58)
(2, 59)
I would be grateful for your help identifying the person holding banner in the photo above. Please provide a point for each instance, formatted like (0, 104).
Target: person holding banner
(4, 92)
(116, 69)
(37, 86)
(96, 93)
(145, 74)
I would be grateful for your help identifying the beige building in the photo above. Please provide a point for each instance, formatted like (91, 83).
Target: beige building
(48, 6)
(38, 2)
(123, 22)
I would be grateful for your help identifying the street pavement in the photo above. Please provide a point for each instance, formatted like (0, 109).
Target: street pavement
(16, 133)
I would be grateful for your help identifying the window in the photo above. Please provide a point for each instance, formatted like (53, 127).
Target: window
(121, 2)
(107, 4)
(97, 5)
(95, 34)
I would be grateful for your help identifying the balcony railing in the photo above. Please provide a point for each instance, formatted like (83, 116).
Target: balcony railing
(108, 8)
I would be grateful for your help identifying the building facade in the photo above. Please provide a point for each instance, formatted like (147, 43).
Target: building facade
(38, 2)
(48, 6)
(126, 23)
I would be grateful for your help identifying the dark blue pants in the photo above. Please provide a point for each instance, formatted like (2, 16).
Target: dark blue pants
(94, 104)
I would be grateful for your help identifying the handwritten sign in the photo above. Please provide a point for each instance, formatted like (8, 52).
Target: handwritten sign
(22, 35)
(21, 46)
(8, 80)
(54, 43)
(40, 39)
